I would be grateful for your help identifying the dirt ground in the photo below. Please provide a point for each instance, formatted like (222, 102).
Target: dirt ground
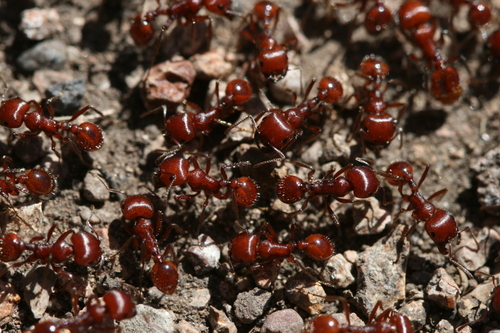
(458, 141)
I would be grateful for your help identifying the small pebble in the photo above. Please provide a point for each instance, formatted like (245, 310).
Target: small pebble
(220, 322)
(168, 83)
(93, 188)
(9, 299)
(47, 54)
(442, 289)
(306, 293)
(40, 23)
(467, 253)
(337, 272)
(283, 321)
(185, 327)
(370, 217)
(149, 319)
(416, 312)
(199, 298)
(86, 214)
(38, 285)
(212, 64)
(250, 305)
(444, 326)
(205, 255)
(69, 96)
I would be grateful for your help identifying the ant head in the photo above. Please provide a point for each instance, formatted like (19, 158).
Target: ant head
(12, 112)
(412, 14)
(330, 90)
(378, 19)
(244, 248)
(238, 91)
(141, 30)
(171, 171)
(39, 182)
(89, 137)
(318, 247)
(445, 85)
(219, 7)
(87, 249)
(136, 206)
(291, 189)
(479, 15)
(442, 228)
(165, 276)
(373, 67)
(398, 173)
(322, 323)
(245, 191)
(265, 12)
(120, 305)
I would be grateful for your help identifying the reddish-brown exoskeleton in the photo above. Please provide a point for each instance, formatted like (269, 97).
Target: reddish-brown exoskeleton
(389, 321)
(361, 181)
(419, 26)
(280, 128)
(440, 224)
(173, 171)
(183, 127)
(263, 248)
(114, 305)
(184, 12)
(15, 112)
(376, 125)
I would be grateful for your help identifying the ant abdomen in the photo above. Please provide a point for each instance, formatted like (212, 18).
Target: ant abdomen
(38, 182)
(135, 206)
(165, 276)
(291, 189)
(245, 191)
(445, 85)
(11, 247)
(88, 136)
(317, 247)
(413, 13)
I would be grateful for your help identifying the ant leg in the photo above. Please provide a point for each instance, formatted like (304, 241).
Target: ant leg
(332, 214)
(281, 157)
(422, 178)
(439, 194)
(459, 265)
(473, 236)
(82, 111)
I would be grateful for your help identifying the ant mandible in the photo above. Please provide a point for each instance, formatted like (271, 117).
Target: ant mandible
(377, 127)
(142, 29)
(415, 21)
(440, 224)
(360, 180)
(250, 248)
(279, 129)
(172, 171)
(183, 127)
(15, 111)
(389, 321)
(115, 305)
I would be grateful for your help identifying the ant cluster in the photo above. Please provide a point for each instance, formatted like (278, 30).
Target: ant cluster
(251, 177)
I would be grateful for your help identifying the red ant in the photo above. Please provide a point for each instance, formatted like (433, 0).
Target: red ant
(114, 305)
(182, 127)
(360, 180)
(15, 111)
(142, 30)
(377, 127)
(141, 210)
(415, 21)
(440, 224)
(173, 171)
(279, 129)
(273, 58)
(378, 18)
(388, 321)
(85, 249)
(479, 12)
(37, 181)
(250, 248)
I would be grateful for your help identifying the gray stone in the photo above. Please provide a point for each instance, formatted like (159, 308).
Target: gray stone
(416, 312)
(213, 64)
(93, 188)
(444, 326)
(382, 272)
(303, 291)
(47, 54)
(69, 96)
(155, 320)
(205, 255)
(220, 322)
(38, 286)
(369, 217)
(283, 321)
(442, 289)
(250, 305)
